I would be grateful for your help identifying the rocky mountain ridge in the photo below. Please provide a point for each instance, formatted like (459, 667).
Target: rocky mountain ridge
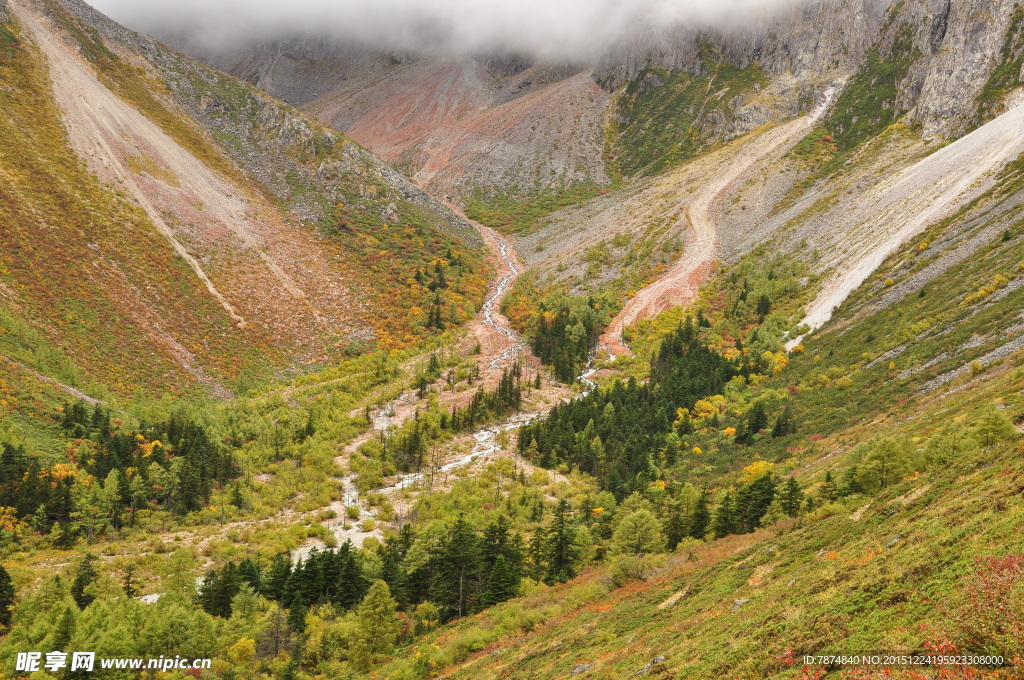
(952, 49)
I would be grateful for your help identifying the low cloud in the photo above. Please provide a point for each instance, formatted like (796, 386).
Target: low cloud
(546, 28)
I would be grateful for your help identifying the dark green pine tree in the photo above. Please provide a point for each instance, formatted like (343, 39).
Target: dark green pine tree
(236, 495)
(352, 584)
(457, 582)
(757, 418)
(249, 572)
(675, 527)
(724, 522)
(561, 555)
(701, 517)
(64, 631)
(783, 425)
(128, 582)
(537, 554)
(207, 589)
(502, 584)
(84, 577)
(828, 490)
(752, 503)
(851, 485)
(392, 573)
(500, 541)
(792, 498)
(226, 588)
(277, 576)
(6, 598)
(297, 615)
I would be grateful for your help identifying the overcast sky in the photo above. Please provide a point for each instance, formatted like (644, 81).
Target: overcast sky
(565, 28)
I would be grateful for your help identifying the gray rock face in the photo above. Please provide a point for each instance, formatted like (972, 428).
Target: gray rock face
(3, 11)
(957, 45)
(962, 42)
(808, 41)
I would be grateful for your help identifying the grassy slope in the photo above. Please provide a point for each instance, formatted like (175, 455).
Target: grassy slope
(665, 118)
(832, 584)
(70, 321)
(60, 314)
(869, 573)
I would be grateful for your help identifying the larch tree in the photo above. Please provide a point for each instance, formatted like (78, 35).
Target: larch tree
(638, 533)
(378, 625)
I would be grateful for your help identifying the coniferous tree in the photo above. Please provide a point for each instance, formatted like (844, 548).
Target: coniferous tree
(724, 522)
(851, 484)
(6, 598)
(675, 527)
(757, 419)
(638, 533)
(885, 463)
(392, 573)
(249, 572)
(64, 630)
(752, 503)
(297, 615)
(538, 554)
(84, 577)
(562, 552)
(993, 427)
(828, 490)
(277, 576)
(352, 585)
(128, 582)
(792, 498)
(503, 583)
(224, 588)
(457, 582)
(783, 425)
(207, 588)
(701, 518)
(378, 625)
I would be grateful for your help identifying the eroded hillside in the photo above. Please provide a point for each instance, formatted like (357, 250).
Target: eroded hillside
(199, 241)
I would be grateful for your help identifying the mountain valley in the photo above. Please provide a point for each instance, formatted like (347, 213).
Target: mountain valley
(697, 356)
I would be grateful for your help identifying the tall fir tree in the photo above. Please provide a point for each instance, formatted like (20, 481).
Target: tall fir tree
(84, 578)
(562, 552)
(7, 594)
(700, 520)
(792, 498)
(724, 522)
(502, 584)
(458, 578)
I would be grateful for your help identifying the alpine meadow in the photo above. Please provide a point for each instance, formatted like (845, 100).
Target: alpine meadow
(509, 340)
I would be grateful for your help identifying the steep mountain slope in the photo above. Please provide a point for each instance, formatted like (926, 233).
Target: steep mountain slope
(929, 360)
(207, 253)
(954, 48)
(454, 124)
(723, 510)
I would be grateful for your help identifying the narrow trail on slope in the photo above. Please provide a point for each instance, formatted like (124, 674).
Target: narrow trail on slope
(682, 281)
(899, 208)
(74, 392)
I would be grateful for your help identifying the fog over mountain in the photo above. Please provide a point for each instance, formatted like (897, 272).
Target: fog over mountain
(544, 28)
